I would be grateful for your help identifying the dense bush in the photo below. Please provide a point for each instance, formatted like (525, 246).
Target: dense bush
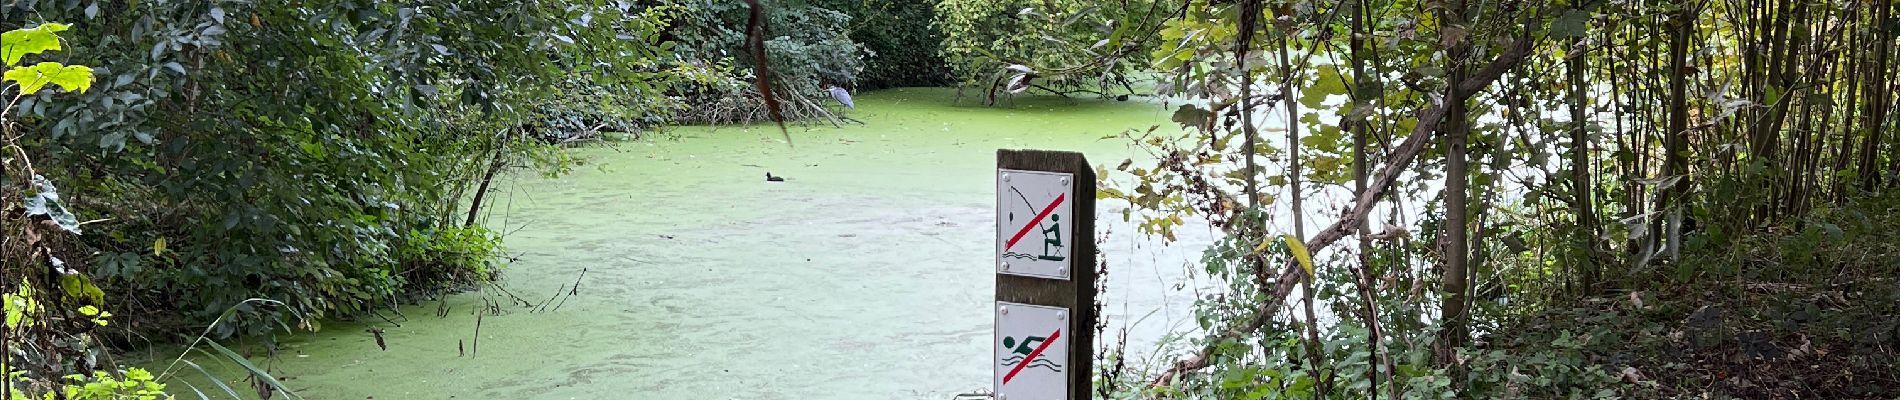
(321, 154)
(138, 384)
(806, 47)
(900, 40)
(1056, 46)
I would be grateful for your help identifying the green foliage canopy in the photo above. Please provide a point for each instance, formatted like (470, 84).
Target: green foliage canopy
(1067, 44)
(900, 43)
(310, 153)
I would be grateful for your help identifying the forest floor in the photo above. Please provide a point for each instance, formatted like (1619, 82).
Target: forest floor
(1824, 322)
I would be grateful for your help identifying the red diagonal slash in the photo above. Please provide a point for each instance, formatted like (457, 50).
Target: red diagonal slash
(1032, 223)
(1032, 355)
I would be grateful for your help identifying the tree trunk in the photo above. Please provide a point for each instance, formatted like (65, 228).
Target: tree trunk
(1675, 137)
(1580, 171)
(1876, 115)
(1457, 177)
(481, 190)
(1313, 346)
(1359, 125)
(1400, 158)
(1844, 149)
(1249, 11)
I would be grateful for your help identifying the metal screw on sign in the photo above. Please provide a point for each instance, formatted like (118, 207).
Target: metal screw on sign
(1006, 177)
(1003, 310)
(1062, 316)
(1065, 181)
(1005, 266)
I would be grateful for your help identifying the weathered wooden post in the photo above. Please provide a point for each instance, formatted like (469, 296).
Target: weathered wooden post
(1045, 276)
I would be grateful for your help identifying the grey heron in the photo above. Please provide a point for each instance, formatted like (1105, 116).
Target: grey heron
(841, 95)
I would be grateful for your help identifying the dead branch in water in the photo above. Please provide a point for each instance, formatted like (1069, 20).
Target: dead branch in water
(749, 107)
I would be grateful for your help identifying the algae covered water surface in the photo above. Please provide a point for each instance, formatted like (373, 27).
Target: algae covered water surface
(865, 275)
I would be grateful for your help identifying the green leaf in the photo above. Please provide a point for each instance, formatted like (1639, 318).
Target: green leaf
(1569, 25)
(1114, 40)
(79, 287)
(1329, 83)
(73, 78)
(16, 312)
(20, 306)
(18, 43)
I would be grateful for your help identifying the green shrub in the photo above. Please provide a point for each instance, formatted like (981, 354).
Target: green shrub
(308, 153)
(807, 47)
(451, 257)
(1066, 45)
(1274, 362)
(137, 385)
(900, 41)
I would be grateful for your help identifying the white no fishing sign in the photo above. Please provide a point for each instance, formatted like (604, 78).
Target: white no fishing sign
(1033, 223)
(1032, 352)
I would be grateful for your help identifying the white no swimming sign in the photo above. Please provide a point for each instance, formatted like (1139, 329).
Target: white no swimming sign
(1032, 352)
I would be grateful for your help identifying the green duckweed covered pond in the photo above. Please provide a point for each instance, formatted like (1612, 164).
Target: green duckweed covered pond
(866, 275)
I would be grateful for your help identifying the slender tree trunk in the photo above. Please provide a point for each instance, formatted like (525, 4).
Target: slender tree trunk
(481, 191)
(1400, 159)
(1243, 43)
(1625, 162)
(1797, 160)
(1798, 43)
(1457, 176)
(1676, 143)
(1643, 71)
(1775, 76)
(1498, 160)
(1580, 170)
(1313, 346)
(1856, 89)
(1877, 99)
(1892, 102)
(1359, 125)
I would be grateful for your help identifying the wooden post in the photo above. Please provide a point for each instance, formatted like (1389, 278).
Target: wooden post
(1076, 294)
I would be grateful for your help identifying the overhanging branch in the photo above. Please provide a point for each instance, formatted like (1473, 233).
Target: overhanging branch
(1401, 158)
